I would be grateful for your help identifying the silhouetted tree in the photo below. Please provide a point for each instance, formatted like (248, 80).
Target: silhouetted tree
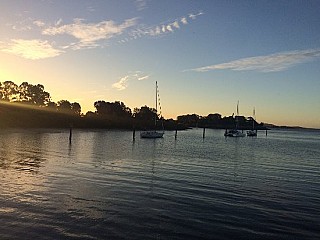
(64, 106)
(33, 94)
(52, 106)
(189, 120)
(112, 110)
(101, 107)
(90, 114)
(9, 91)
(1, 93)
(76, 108)
(145, 117)
(214, 117)
(145, 113)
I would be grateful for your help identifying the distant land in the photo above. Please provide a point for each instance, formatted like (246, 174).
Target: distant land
(270, 126)
(22, 115)
(30, 106)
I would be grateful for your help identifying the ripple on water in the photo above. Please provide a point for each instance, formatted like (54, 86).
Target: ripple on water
(103, 186)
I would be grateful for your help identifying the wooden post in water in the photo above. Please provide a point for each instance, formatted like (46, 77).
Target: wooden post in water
(134, 129)
(134, 134)
(176, 133)
(70, 133)
(266, 132)
(204, 133)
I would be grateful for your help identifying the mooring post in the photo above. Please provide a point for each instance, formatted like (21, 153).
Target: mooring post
(70, 133)
(266, 132)
(134, 134)
(204, 133)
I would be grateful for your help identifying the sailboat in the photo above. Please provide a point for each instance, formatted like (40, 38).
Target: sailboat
(252, 132)
(153, 133)
(235, 132)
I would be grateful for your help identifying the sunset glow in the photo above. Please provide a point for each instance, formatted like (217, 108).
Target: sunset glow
(205, 55)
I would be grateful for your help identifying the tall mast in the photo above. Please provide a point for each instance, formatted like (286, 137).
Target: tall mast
(237, 117)
(156, 96)
(238, 108)
(155, 119)
(254, 116)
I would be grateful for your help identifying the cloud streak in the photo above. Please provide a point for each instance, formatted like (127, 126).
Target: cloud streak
(168, 27)
(89, 33)
(269, 63)
(85, 35)
(123, 82)
(30, 49)
(141, 4)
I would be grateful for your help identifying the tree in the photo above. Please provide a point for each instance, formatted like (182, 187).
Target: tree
(214, 117)
(145, 116)
(52, 106)
(76, 108)
(1, 94)
(189, 120)
(101, 107)
(90, 114)
(64, 106)
(33, 94)
(9, 91)
(112, 110)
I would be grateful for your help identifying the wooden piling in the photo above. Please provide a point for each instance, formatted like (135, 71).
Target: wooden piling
(134, 134)
(70, 134)
(204, 133)
(176, 133)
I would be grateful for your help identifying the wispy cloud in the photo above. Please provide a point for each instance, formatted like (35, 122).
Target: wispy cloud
(143, 78)
(89, 33)
(58, 22)
(194, 16)
(160, 29)
(39, 23)
(184, 20)
(30, 49)
(171, 26)
(141, 4)
(86, 35)
(269, 63)
(123, 82)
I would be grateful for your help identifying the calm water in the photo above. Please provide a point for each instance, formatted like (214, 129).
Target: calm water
(104, 186)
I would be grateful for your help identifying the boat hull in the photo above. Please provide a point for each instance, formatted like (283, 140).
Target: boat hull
(234, 133)
(151, 134)
(251, 133)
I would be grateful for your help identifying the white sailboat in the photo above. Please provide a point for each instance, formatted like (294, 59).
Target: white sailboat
(252, 132)
(153, 133)
(235, 132)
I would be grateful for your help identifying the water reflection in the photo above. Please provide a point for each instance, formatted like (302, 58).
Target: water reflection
(22, 152)
(104, 186)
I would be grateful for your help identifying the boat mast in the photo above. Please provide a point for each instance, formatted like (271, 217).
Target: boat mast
(237, 116)
(253, 119)
(155, 119)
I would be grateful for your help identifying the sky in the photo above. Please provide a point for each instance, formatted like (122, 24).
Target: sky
(206, 55)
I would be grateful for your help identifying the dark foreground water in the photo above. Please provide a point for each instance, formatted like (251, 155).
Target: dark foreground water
(104, 186)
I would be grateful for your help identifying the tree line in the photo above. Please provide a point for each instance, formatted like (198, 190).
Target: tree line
(28, 105)
(31, 106)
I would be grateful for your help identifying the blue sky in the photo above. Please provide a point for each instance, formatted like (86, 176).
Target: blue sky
(205, 55)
